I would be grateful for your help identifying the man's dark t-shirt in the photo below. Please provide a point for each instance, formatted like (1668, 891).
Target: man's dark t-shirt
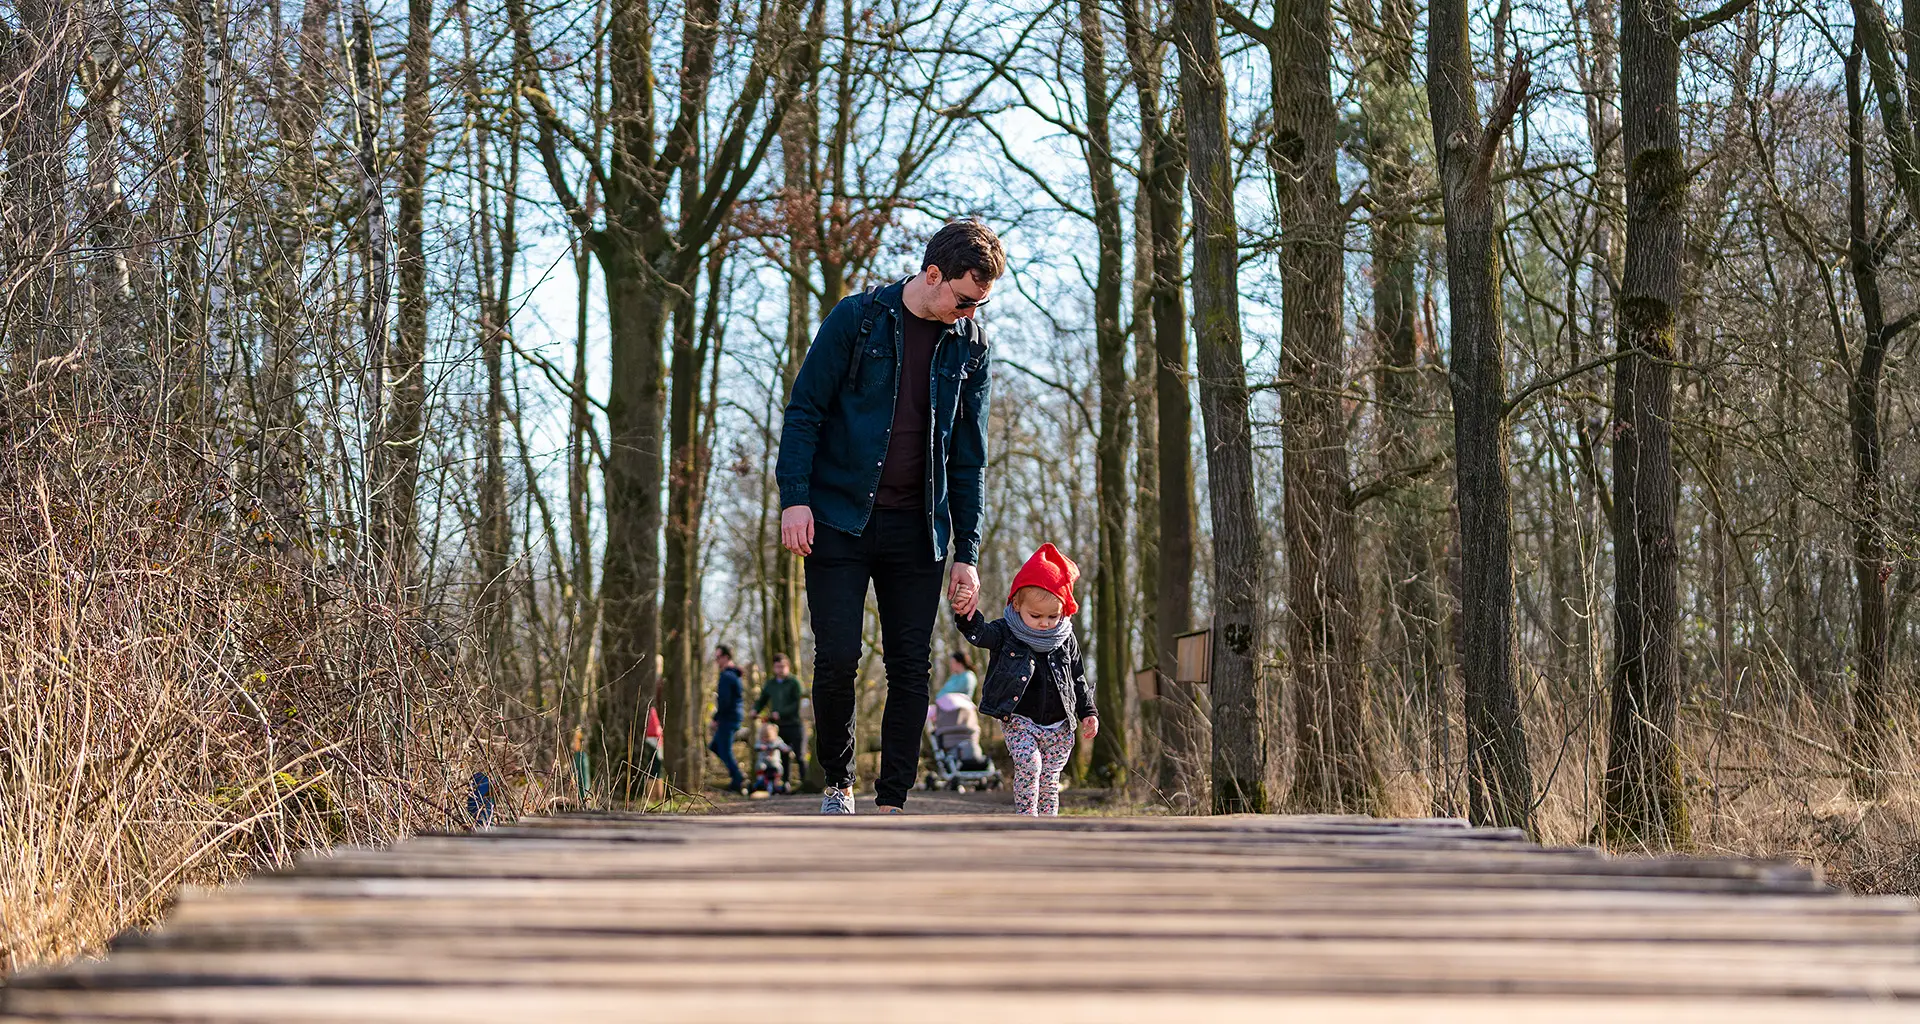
(903, 477)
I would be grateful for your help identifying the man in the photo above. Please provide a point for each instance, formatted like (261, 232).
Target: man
(781, 697)
(882, 467)
(729, 707)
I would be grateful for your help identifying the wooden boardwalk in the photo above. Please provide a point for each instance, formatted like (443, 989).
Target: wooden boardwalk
(994, 920)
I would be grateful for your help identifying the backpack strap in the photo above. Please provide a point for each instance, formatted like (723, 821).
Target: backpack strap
(976, 353)
(870, 310)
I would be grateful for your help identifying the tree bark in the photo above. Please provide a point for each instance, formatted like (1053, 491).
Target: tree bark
(1146, 471)
(216, 348)
(799, 141)
(1644, 801)
(1183, 717)
(374, 250)
(1333, 770)
(108, 279)
(1112, 640)
(678, 615)
(399, 451)
(1499, 777)
(495, 544)
(1239, 634)
(1873, 710)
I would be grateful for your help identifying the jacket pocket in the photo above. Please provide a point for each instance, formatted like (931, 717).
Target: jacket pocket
(874, 366)
(1006, 684)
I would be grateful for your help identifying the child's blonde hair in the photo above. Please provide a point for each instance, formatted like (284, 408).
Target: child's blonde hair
(1037, 600)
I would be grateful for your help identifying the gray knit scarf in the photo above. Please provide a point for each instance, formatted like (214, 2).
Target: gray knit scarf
(1036, 639)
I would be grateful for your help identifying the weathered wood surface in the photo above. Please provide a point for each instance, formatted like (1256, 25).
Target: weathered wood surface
(1001, 919)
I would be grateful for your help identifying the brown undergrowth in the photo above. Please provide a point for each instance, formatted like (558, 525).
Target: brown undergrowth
(1766, 776)
(182, 699)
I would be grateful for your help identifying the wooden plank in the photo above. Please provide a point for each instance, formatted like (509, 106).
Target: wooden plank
(689, 918)
(441, 1005)
(1275, 968)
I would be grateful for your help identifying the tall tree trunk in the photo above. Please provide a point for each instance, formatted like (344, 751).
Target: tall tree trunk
(399, 443)
(1183, 718)
(1499, 778)
(1239, 634)
(1873, 720)
(1333, 770)
(216, 353)
(496, 524)
(1645, 803)
(373, 305)
(1411, 623)
(189, 196)
(799, 139)
(630, 570)
(1112, 639)
(583, 616)
(1146, 470)
(679, 616)
(108, 280)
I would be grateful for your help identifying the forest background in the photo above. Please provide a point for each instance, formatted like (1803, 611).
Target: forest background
(1523, 393)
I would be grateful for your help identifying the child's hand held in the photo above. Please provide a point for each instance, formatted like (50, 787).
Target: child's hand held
(1090, 726)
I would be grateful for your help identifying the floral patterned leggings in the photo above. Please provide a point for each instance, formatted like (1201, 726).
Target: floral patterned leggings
(1038, 756)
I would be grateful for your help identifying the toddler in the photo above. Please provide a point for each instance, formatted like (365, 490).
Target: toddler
(771, 754)
(1036, 681)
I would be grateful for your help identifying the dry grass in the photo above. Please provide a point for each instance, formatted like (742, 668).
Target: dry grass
(1767, 779)
(180, 702)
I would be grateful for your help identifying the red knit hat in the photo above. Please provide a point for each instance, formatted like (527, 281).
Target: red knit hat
(1052, 572)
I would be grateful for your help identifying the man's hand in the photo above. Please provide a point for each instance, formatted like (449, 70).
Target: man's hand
(796, 530)
(1089, 727)
(964, 591)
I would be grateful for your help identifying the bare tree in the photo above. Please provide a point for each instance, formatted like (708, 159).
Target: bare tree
(1333, 770)
(1645, 804)
(397, 458)
(1183, 718)
(1499, 778)
(1112, 631)
(1867, 250)
(1239, 628)
(647, 258)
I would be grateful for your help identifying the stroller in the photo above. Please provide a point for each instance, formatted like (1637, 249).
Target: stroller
(771, 755)
(959, 761)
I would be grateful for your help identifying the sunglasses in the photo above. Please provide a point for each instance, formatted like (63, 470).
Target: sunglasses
(963, 302)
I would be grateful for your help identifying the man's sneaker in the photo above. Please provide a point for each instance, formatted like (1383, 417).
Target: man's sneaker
(837, 801)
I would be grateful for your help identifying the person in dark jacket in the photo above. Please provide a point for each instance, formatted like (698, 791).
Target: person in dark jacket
(729, 707)
(1036, 680)
(882, 469)
(780, 699)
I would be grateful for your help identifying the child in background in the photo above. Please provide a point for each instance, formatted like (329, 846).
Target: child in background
(1035, 677)
(770, 753)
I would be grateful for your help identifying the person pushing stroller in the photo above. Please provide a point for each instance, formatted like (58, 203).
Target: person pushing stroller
(1035, 676)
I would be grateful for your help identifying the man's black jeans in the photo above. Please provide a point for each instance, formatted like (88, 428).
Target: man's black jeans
(892, 553)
